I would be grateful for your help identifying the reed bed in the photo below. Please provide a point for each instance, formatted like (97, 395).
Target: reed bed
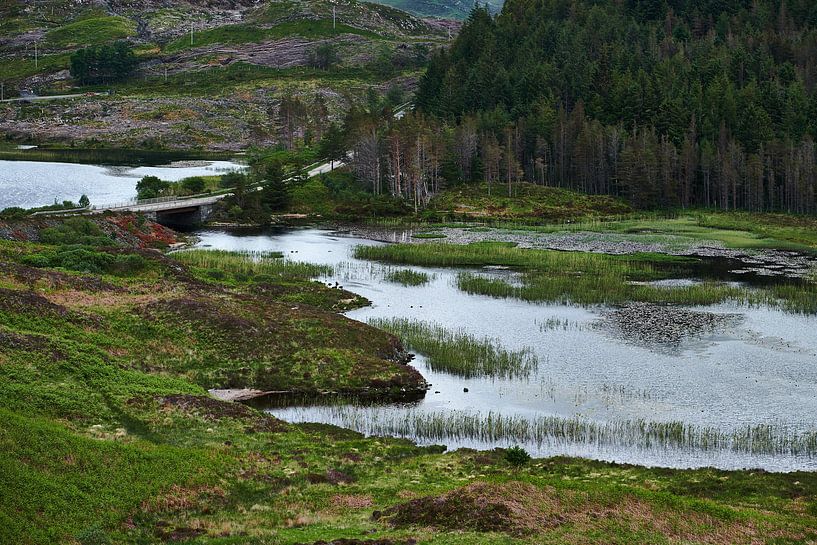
(250, 264)
(638, 266)
(459, 353)
(407, 277)
(493, 428)
(590, 290)
(559, 324)
(589, 278)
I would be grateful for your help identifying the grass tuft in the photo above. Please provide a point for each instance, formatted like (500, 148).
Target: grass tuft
(459, 353)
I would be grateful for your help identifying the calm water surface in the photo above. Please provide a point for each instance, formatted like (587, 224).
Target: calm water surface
(28, 184)
(595, 392)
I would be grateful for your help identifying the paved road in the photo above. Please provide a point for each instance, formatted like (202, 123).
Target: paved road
(164, 205)
(52, 97)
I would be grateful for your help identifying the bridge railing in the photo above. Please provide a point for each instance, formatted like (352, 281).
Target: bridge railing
(157, 200)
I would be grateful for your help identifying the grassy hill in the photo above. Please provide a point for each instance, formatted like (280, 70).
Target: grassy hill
(453, 9)
(242, 58)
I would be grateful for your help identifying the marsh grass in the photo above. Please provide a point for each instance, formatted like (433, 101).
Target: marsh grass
(407, 277)
(589, 278)
(546, 431)
(459, 353)
(250, 264)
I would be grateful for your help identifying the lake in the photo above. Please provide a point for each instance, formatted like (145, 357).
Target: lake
(29, 184)
(741, 395)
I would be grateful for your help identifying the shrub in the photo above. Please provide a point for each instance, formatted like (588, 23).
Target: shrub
(194, 184)
(517, 456)
(150, 187)
(75, 231)
(232, 179)
(88, 260)
(12, 213)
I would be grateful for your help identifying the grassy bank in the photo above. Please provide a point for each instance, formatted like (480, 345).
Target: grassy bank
(534, 209)
(108, 435)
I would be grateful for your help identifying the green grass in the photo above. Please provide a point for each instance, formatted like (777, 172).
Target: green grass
(91, 31)
(407, 277)
(222, 80)
(641, 266)
(459, 353)
(588, 278)
(528, 202)
(25, 67)
(739, 230)
(248, 33)
(251, 264)
(107, 434)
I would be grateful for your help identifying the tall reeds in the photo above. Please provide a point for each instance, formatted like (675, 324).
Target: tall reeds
(251, 264)
(493, 428)
(459, 353)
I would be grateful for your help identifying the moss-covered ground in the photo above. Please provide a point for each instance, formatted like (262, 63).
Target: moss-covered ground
(108, 435)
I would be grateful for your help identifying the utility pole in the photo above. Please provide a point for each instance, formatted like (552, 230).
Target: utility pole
(2, 90)
(36, 60)
(165, 74)
(334, 25)
(191, 32)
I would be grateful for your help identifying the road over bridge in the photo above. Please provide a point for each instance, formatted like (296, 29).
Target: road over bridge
(177, 211)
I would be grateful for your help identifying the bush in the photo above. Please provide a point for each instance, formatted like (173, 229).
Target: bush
(517, 456)
(88, 260)
(150, 187)
(128, 264)
(12, 213)
(194, 184)
(232, 179)
(75, 231)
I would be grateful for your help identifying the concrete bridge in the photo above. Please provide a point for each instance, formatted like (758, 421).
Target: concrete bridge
(168, 210)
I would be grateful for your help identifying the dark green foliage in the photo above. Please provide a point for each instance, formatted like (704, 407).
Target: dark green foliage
(12, 212)
(84, 201)
(103, 63)
(232, 179)
(275, 195)
(194, 184)
(332, 146)
(75, 231)
(517, 456)
(88, 260)
(338, 194)
(150, 187)
(670, 103)
(324, 57)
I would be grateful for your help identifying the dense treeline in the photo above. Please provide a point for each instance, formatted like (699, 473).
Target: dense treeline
(671, 103)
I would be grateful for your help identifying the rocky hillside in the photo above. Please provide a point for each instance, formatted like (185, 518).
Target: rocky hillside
(209, 74)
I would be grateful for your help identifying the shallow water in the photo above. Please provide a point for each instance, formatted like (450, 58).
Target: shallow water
(28, 184)
(759, 369)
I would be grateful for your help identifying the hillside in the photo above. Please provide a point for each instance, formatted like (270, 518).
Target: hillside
(666, 103)
(453, 9)
(225, 89)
